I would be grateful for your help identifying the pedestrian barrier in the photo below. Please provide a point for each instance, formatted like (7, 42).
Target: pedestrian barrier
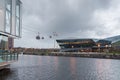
(6, 56)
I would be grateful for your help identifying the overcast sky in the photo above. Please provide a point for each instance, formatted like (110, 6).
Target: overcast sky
(69, 19)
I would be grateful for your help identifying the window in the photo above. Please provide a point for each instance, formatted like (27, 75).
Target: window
(8, 16)
(17, 17)
(0, 41)
(3, 42)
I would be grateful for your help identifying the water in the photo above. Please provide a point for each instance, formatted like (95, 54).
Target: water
(31, 67)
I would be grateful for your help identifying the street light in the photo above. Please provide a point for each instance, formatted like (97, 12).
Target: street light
(55, 35)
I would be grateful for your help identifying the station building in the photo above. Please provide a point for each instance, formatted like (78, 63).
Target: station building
(10, 24)
(82, 45)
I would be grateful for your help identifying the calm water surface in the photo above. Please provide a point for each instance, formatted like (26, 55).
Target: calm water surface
(30, 67)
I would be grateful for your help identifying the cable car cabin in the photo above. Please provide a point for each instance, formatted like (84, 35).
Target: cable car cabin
(38, 37)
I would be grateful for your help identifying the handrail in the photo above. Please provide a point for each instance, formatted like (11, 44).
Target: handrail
(8, 56)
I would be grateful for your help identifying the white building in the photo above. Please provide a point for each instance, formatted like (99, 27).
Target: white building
(10, 22)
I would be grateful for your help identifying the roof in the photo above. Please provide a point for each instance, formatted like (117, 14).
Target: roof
(104, 41)
(75, 41)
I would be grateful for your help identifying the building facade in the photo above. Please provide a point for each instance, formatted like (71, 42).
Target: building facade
(10, 28)
(10, 21)
(82, 45)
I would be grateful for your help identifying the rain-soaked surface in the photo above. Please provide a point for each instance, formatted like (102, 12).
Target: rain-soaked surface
(30, 67)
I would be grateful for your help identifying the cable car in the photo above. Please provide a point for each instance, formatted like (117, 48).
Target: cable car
(42, 37)
(38, 36)
(50, 36)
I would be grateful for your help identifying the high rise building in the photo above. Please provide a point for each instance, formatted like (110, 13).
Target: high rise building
(10, 28)
(10, 21)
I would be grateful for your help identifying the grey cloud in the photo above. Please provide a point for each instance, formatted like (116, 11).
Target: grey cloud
(67, 17)
(79, 19)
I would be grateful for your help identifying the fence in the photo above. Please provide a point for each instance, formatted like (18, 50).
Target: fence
(6, 56)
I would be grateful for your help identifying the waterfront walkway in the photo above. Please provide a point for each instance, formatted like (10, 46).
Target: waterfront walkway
(80, 54)
(88, 54)
(7, 58)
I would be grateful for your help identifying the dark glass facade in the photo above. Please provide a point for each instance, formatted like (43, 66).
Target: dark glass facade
(78, 45)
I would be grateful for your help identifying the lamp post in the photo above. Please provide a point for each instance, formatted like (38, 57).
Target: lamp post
(55, 35)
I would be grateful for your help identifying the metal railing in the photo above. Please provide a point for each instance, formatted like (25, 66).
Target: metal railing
(8, 56)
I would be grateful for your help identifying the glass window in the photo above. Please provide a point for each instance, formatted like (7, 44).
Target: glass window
(7, 29)
(8, 6)
(2, 15)
(8, 15)
(18, 10)
(0, 41)
(3, 42)
(17, 17)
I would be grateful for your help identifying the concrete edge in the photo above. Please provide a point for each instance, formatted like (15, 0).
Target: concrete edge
(5, 64)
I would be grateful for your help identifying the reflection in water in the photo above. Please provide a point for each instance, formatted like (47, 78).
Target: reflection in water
(31, 67)
(39, 61)
(103, 68)
(73, 66)
(56, 62)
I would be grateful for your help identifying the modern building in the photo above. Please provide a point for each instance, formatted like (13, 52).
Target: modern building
(102, 45)
(10, 26)
(82, 45)
(10, 43)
